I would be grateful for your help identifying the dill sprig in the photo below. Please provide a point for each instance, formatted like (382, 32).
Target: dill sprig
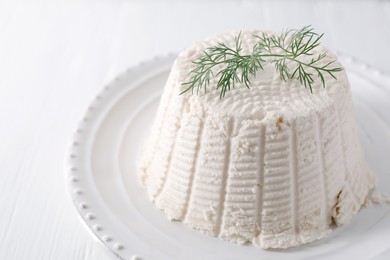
(291, 45)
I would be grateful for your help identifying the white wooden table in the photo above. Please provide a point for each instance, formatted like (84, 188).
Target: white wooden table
(55, 56)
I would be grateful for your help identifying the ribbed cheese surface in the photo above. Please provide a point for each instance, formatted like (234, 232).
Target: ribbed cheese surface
(273, 165)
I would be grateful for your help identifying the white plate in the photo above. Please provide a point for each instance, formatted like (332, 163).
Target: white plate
(104, 186)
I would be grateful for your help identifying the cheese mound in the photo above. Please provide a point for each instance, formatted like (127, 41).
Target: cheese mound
(273, 165)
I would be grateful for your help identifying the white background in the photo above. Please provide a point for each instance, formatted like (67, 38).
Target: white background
(55, 56)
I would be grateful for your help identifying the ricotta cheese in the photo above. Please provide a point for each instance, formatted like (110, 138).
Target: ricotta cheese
(273, 165)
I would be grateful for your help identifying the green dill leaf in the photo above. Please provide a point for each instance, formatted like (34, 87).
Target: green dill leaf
(291, 45)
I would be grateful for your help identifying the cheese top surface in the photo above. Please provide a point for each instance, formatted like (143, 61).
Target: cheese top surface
(268, 93)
